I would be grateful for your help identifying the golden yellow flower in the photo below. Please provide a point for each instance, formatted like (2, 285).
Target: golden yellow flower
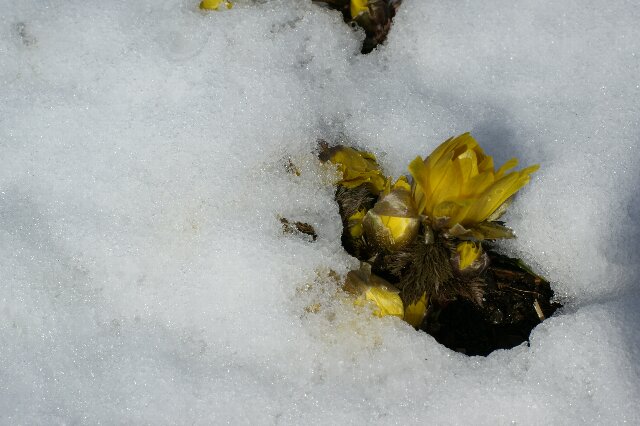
(394, 221)
(358, 7)
(215, 4)
(457, 183)
(375, 291)
(357, 168)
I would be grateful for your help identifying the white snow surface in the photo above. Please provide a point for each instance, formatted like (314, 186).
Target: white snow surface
(145, 278)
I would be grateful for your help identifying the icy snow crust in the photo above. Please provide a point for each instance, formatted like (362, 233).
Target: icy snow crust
(145, 278)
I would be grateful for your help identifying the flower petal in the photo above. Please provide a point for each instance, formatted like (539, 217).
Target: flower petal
(468, 252)
(420, 174)
(358, 7)
(386, 301)
(415, 312)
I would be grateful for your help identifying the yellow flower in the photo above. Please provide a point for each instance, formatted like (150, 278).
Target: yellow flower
(375, 291)
(393, 222)
(215, 4)
(358, 7)
(357, 168)
(414, 313)
(468, 252)
(457, 183)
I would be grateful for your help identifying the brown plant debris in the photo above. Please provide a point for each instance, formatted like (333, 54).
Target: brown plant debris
(289, 227)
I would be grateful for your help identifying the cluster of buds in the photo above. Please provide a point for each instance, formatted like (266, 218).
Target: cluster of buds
(421, 236)
(374, 16)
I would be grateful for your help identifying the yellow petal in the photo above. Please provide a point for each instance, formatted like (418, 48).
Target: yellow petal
(440, 170)
(498, 193)
(415, 312)
(440, 173)
(402, 183)
(478, 184)
(449, 209)
(445, 185)
(390, 232)
(215, 4)
(368, 156)
(455, 211)
(373, 290)
(468, 252)
(506, 166)
(385, 301)
(402, 229)
(420, 174)
(358, 7)
(394, 221)
(485, 162)
(449, 146)
(491, 199)
(530, 170)
(358, 168)
(467, 164)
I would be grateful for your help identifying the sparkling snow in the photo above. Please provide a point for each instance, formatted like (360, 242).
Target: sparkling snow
(145, 277)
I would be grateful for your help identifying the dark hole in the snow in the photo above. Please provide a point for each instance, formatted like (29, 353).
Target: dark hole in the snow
(515, 302)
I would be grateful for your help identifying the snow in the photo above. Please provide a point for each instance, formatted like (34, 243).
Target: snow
(145, 277)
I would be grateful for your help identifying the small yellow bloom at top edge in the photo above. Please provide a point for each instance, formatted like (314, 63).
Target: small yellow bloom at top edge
(215, 4)
(358, 7)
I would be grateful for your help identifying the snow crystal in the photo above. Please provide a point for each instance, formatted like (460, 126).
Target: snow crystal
(146, 278)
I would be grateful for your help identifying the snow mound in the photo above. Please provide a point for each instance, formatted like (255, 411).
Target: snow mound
(146, 278)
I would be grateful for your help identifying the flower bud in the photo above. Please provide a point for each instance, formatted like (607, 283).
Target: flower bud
(371, 289)
(393, 222)
(470, 259)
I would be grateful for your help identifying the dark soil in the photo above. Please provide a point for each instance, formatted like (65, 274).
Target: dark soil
(506, 317)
